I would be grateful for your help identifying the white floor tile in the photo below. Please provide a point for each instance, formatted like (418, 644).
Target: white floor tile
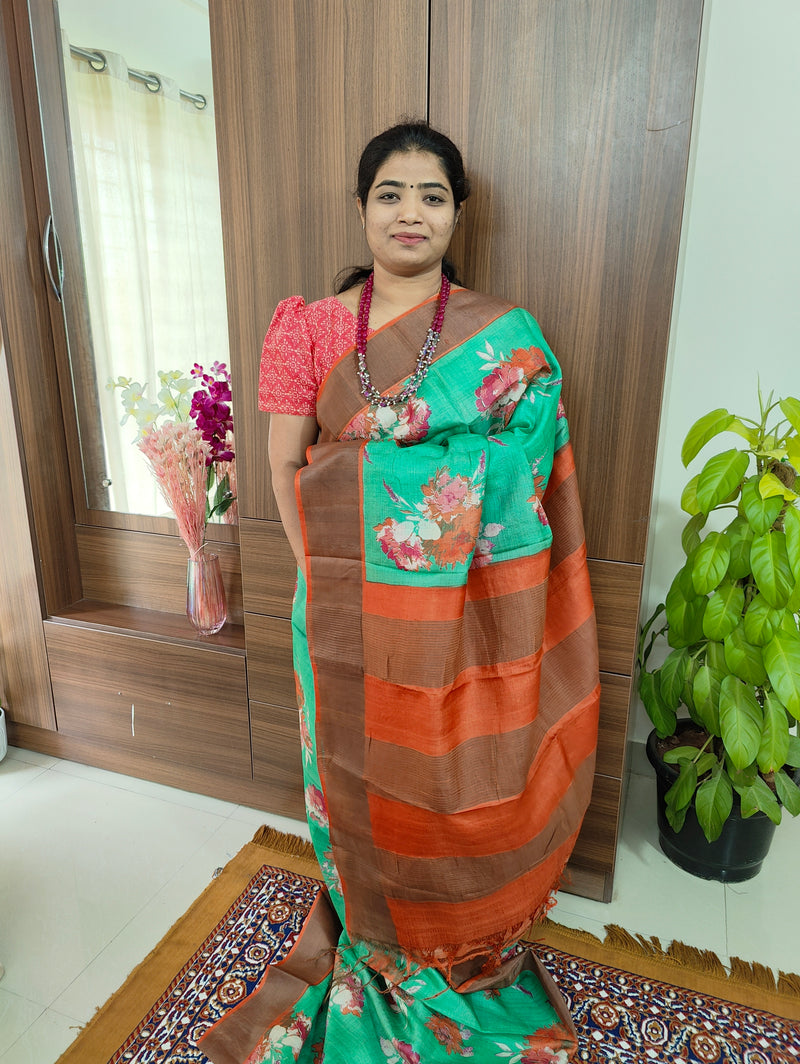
(256, 818)
(763, 920)
(80, 859)
(147, 927)
(580, 923)
(15, 774)
(32, 757)
(171, 795)
(44, 1041)
(16, 1016)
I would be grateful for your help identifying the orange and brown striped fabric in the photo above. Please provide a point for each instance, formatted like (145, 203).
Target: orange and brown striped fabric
(456, 695)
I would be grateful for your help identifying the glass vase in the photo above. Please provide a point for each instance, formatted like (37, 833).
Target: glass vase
(205, 594)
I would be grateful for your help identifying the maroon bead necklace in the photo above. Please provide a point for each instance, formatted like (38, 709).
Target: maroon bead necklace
(427, 351)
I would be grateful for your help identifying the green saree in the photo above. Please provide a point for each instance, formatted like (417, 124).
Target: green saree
(446, 665)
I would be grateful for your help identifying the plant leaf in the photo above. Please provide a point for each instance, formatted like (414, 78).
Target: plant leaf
(761, 513)
(680, 793)
(720, 477)
(782, 662)
(791, 411)
(690, 537)
(676, 817)
(703, 430)
(684, 615)
(788, 793)
(740, 719)
(743, 659)
(791, 529)
(672, 757)
(747, 432)
(713, 803)
(709, 562)
(715, 657)
(689, 497)
(705, 691)
(793, 756)
(759, 796)
(672, 676)
(664, 719)
(761, 621)
(705, 763)
(723, 611)
(740, 536)
(769, 560)
(793, 451)
(774, 736)
(770, 486)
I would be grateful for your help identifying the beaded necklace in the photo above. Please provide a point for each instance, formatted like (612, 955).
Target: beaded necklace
(368, 389)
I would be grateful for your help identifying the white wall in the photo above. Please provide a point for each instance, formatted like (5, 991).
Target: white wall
(736, 316)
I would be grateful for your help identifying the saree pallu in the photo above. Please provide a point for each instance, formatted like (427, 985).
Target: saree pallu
(446, 664)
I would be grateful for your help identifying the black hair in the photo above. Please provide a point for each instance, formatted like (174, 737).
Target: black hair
(405, 137)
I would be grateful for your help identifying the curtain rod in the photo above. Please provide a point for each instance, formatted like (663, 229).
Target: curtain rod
(97, 61)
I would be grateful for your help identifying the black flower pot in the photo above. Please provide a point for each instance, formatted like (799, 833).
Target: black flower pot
(735, 856)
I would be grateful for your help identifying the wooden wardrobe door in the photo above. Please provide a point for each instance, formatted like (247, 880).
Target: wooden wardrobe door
(574, 120)
(300, 87)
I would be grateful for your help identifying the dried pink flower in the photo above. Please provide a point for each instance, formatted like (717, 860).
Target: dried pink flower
(177, 454)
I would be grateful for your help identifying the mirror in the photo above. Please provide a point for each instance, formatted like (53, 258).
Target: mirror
(149, 295)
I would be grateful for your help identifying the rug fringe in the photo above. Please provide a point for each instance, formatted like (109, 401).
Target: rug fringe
(703, 961)
(291, 845)
(789, 984)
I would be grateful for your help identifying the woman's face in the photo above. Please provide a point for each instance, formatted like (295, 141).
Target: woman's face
(409, 214)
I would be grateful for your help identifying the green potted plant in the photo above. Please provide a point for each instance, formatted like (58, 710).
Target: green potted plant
(730, 621)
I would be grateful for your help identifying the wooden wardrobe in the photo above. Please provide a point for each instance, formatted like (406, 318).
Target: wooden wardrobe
(574, 119)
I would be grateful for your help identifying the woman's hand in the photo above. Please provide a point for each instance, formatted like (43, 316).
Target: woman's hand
(289, 438)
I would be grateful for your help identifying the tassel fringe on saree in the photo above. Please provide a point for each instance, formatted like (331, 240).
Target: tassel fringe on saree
(446, 664)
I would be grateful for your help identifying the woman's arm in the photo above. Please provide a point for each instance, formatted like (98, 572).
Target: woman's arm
(289, 437)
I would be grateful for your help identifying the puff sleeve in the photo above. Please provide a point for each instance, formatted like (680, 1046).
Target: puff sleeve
(287, 380)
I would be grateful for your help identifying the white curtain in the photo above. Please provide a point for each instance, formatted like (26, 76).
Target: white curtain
(148, 203)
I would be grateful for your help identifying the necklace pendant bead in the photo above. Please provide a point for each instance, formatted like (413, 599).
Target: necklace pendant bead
(424, 359)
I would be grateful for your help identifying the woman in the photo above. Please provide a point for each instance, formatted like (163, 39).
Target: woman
(444, 644)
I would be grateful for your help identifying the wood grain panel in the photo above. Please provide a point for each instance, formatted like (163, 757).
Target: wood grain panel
(299, 88)
(574, 120)
(139, 569)
(270, 674)
(616, 588)
(238, 788)
(615, 695)
(269, 571)
(590, 871)
(191, 708)
(277, 758)
(24, 679)
(29, 340)
(74, 358)
(150, 624)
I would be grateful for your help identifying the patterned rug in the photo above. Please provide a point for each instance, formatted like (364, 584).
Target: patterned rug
(632, 1002)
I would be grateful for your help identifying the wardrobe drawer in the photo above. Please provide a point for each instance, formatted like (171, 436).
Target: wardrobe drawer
(169, 701)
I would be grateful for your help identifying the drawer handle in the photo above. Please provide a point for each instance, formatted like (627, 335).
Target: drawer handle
(133, 720)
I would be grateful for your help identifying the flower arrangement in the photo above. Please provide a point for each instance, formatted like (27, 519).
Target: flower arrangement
(187, 438)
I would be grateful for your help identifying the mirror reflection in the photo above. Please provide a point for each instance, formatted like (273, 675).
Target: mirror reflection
(139, 99)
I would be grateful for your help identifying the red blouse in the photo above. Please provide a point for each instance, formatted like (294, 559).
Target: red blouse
(302, 343)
